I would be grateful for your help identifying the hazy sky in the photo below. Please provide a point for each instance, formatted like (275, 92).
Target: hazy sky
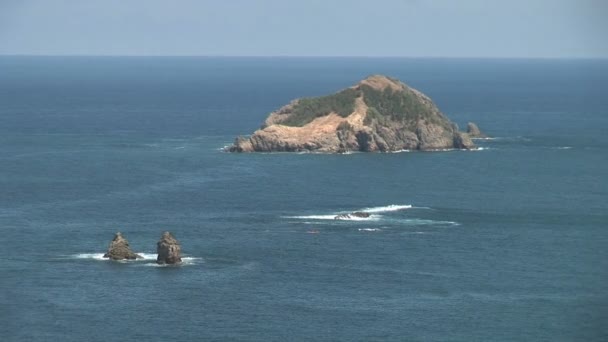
(416, 28)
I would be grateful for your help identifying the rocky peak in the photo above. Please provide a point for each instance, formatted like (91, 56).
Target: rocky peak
(119, 249)
(381, 82)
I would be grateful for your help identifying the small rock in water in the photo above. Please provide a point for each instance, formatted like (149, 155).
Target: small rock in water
(119, 249)
(168, 250)
(359, 214)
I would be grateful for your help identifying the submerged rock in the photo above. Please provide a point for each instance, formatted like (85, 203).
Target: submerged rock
(168, 250)
(119, 249)
(359, 214)
(378, 114)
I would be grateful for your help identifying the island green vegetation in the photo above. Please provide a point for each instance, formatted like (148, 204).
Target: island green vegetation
(308, 109)
(383, 106)
(388, 104)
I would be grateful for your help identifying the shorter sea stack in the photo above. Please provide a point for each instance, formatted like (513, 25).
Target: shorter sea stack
(168, 250)
(119, 249)
(474, 132)
(378, 114)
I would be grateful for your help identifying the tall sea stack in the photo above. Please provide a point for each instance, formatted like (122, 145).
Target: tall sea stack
(168, 250)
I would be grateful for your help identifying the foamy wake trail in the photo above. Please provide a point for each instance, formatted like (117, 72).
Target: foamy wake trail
(388, 208)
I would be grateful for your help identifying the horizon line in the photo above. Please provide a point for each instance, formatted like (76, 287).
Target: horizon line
(306, 56)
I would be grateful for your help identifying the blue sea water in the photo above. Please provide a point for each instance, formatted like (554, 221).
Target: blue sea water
(505, 243)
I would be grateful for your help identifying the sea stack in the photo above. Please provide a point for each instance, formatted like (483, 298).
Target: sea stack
(168, 250)
(119, 249)
(474, 132)
(378, 114)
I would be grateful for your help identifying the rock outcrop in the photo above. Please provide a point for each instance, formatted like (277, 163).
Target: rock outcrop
(358, 214)
(474, 132)
(168, 249)
(119, 249)
(377, 114)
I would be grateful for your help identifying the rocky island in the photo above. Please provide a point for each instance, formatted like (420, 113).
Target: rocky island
(378, 114)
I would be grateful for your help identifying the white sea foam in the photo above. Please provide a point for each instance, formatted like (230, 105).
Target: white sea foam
(564, 147)
(335, 217)
(369, 229)
(145, 257)
(423, 222)
(400, 151)
(186, 261)
(93, 256)
(372, 211)
(487, 138)
(388, 208)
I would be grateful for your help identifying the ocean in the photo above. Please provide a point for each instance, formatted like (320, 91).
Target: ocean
(505, 243)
